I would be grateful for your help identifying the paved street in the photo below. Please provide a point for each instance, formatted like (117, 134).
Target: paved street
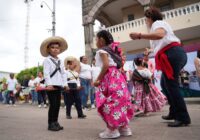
(26, 122)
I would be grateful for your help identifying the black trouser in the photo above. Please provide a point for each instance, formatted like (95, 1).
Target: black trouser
(54, 105)
(41, 96)
(178, 110)
(73, 97)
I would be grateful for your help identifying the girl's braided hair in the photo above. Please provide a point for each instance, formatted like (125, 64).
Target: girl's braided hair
(106, 36)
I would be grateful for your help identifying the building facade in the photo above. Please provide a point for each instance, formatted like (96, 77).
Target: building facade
(121, 17)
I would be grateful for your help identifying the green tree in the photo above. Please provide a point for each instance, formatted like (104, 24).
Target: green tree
(27, 73)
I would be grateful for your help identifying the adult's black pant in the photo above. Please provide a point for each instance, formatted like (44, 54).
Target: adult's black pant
(178, 110)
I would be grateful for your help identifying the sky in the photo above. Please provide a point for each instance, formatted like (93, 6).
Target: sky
(12, 31)
(68, 25)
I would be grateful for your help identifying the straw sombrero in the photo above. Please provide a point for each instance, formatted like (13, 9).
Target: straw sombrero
(57, 39)
(74, 59)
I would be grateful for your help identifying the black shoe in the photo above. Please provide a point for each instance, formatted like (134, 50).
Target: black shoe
(53, 127)
(167, 117)
(82, 116)
(69, 117)
(177, 123)
(59, 126)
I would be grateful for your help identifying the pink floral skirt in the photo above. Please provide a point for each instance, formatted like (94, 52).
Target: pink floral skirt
(113, 99)
(148, 102)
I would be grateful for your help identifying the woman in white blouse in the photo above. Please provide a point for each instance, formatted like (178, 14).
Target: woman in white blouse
(85, 78)
(170, 59)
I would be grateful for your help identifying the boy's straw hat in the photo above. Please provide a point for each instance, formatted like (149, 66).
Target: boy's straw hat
(54, 39)
(74, 59)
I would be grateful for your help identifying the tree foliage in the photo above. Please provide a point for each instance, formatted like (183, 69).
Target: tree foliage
(27, 73)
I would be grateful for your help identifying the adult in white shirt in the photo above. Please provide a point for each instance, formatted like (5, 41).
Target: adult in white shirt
(11, 85)
(170, 58)
(95, 73)
(40, 88)
(85, 78)
(31, 85)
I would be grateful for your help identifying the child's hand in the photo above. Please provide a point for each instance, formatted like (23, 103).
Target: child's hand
(97, 83)
(147, 51)
(80, 88)
(66, 88)
(50, 88)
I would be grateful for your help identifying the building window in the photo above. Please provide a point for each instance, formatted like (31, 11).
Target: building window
(165, 7)
(131, 17)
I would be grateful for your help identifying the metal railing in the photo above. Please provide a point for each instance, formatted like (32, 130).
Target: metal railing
(193, 8)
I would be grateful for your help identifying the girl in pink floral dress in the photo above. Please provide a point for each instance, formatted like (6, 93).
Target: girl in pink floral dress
(148, 98)
(112, 97)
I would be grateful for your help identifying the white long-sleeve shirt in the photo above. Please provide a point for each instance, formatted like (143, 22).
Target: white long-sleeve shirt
(59, 77)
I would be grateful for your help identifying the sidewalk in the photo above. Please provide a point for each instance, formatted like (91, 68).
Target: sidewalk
(193, 100)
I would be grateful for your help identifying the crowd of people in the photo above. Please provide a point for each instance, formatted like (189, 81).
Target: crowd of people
(107, 84)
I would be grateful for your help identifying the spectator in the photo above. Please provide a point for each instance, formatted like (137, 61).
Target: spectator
(95, 72)
(85, 78)
(40, 88)
(1, 89)
(31, 85)
(197, 66)
(25, 88)
(11, 85)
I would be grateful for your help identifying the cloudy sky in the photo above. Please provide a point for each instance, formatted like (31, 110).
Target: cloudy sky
(12, 31)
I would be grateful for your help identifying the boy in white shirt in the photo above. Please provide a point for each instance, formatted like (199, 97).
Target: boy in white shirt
(54, 77)
(73, 82)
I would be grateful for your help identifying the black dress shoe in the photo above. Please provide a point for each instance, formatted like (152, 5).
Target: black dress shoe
(177, 123)
(69, 117)
(59, 126)
(167, 117)
(53, 127)
(82, 116)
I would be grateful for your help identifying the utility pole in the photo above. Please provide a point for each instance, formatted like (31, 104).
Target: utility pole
(53, 12)
(54, 18)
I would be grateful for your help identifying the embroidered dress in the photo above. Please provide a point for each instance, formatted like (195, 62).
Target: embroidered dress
(112, 96)
(151, 101)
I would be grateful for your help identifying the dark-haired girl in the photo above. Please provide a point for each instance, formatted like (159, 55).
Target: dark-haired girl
(147, 96)
(170, 59)
(112, 96)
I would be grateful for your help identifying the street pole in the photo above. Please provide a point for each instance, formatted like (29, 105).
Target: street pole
(54, 18)
(53, 12)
